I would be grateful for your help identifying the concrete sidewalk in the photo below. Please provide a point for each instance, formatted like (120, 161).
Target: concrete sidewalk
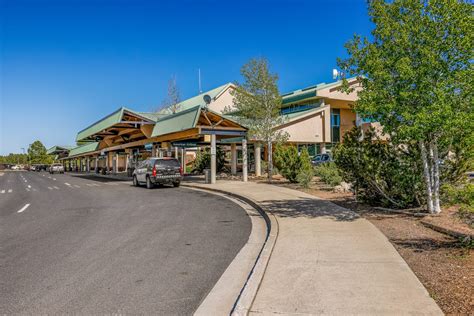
(327, 260)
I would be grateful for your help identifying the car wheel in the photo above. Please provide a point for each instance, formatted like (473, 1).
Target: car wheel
(135, 181)
(176, 184)
(149, 184)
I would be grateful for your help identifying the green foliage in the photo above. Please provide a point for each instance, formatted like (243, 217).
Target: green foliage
(380, 172)
(329, 173)
(288, 162)
(257, 102)
(37, 154)
(203, 160)
(14, 159)
(417, 77)
(306, 173)
(417, 70)
(463, 195)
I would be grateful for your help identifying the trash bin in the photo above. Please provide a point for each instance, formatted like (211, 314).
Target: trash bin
(207, 175)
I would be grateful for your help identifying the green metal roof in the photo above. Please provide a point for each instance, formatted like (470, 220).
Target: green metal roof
(58, 148)
(196, 100)
(295, 115)
(110, 120)
(83, 149)
(307, 93)
(177, 122)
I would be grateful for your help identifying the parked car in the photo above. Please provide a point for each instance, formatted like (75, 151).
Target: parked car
(56, 167)
(155, 171)
(15, 167)
(32, 168)
(320, 159)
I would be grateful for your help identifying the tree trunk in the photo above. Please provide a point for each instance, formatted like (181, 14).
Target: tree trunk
(427, 176)
(435, 163)
(270, 161)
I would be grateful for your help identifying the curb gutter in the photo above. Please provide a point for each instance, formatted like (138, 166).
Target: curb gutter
(244, 300)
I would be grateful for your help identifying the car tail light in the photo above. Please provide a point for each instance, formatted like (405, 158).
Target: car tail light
(154, 171)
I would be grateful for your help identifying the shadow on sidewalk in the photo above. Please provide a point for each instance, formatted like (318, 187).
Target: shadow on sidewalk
(309, 208)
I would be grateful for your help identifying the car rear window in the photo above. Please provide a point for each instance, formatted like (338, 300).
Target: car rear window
(168, 162)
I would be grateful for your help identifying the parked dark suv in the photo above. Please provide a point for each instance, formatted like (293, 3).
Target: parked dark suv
(158, 171)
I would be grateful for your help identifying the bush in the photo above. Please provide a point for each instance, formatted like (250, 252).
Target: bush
(462, 195)
(203, 160)
(305, 174)
(380, 172)
(329, 173)
(287, 161)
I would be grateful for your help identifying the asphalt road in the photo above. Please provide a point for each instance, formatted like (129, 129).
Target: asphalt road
(95, 246)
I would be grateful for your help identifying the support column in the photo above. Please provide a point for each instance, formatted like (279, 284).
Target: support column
(153, 150)
(107, 163)
(96, 166)
(323, 148)
(88, 166)
(244, 160)
(160, 152)
(183, 159)
(127, 159)
(116, 163)
(213, 159)
(258, 158)
(176, 152)
(233, 158)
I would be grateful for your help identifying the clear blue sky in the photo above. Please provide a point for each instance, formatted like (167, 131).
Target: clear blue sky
(67, 63)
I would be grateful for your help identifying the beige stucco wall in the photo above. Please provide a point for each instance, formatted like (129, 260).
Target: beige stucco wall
(225, 99)
(348, 119)
(333, 93)
(314, 128)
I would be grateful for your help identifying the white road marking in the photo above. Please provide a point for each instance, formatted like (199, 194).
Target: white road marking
(77, 186)
(54, 179)
(50, 188)
(49, 177)
(3, 191)
(26, 181)
(10, 191)
(23, 208)
(67, 183)
(56, 187)
(89, 185)
(29, 186)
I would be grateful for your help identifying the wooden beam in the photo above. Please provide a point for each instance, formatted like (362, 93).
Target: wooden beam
(194, 132)
(147, 130)
(223, 128)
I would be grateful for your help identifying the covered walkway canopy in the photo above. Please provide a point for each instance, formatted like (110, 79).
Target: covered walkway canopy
(125, 130)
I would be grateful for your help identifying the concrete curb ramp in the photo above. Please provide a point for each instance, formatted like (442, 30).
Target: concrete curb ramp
(325, 260)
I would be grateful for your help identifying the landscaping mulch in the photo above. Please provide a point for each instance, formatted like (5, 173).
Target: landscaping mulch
(442, 263)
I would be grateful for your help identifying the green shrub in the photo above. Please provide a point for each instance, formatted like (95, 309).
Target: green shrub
(380, 172)
(203, 160)
(462, 195)
(287, 161)
(305, 174)
(328, 173)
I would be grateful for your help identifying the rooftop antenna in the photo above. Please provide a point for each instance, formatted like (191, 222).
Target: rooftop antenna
(199, 75)
(336, 74)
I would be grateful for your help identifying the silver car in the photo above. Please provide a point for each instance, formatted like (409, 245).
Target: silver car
(155, 171)
(56, 167)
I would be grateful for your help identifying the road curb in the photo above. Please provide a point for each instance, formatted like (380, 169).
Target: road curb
(243, 302)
